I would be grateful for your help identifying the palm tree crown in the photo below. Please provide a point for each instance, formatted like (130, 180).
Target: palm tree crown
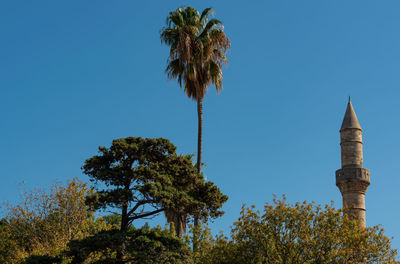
(198, 47)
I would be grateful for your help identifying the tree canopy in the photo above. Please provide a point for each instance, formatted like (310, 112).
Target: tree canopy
(281, 234)
(144, 177)
(45, 221)
(297, 234)
(144, 245)
(306, 233)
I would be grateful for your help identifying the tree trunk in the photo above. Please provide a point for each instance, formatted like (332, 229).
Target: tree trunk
(124, 227)
(199, 152)
(124, 224)
(124, 218)
(199, 132)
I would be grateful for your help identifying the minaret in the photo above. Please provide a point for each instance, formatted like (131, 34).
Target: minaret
(352, 179)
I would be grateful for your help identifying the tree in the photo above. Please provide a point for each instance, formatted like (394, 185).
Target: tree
(197, 53)
(8, 245)
(302, 233)
(144, 177)
(44, 222)
(144, 245)
(192, 195)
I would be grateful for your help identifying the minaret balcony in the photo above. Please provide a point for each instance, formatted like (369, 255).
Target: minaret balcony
(352, 174)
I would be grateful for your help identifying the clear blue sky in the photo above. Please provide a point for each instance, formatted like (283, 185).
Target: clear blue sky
(76, 74)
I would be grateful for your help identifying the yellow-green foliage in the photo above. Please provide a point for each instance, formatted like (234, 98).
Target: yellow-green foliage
(303, 233)
(44, 222)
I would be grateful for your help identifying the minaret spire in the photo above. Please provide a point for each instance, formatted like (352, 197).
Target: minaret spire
(350, 119)
(352, 179)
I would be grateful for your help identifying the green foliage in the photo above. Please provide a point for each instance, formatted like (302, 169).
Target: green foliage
(42, 260)
(298, 234)
(113, 220)
(143, 177)
(144, 245)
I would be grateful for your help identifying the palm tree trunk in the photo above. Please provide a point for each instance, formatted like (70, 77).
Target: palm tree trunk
(199, 152)
(200, 132)
(179, 222)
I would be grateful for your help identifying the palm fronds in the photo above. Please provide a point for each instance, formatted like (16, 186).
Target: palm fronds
(197, 50)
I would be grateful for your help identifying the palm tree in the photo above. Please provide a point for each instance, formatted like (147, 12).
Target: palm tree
(197, 53)
(179, 221)
(198, 47)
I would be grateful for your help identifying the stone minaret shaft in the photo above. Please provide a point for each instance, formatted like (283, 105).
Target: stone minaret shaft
(352, 179)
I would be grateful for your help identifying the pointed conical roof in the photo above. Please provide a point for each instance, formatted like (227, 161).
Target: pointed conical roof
(350, 119)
